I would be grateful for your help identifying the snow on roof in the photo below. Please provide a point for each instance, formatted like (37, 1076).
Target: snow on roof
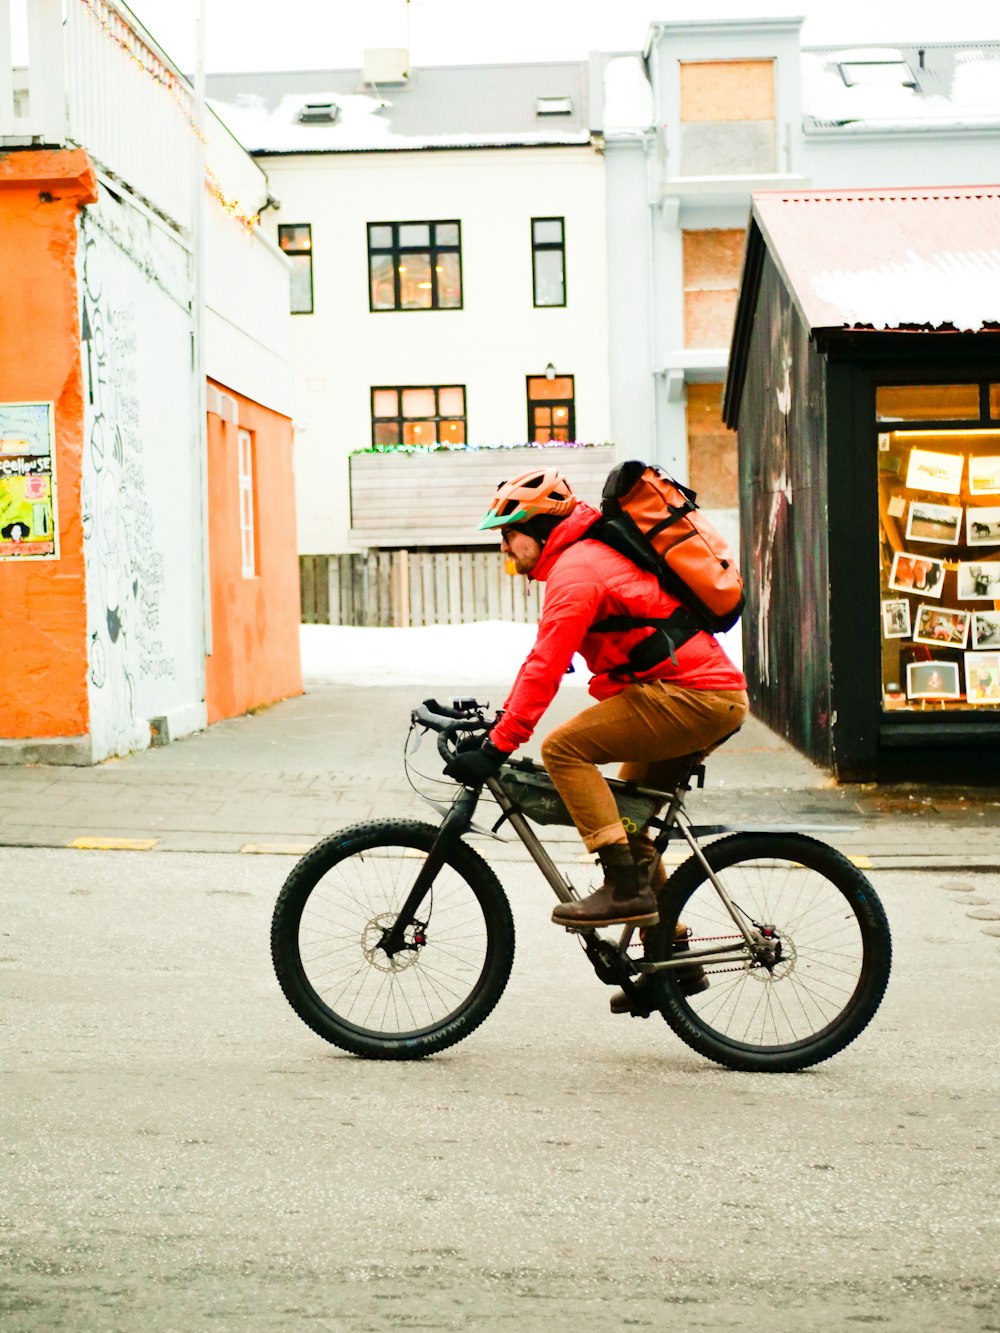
(628, 97)
(888, 259)
(952, 85)
(439, 107)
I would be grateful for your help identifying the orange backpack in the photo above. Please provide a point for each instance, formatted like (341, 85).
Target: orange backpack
(655, 522)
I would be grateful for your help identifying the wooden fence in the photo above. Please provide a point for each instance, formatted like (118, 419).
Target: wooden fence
(402, 588)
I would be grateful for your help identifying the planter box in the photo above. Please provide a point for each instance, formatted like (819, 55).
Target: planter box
(438, 498)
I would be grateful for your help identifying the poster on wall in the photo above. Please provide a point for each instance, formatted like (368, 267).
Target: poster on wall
(28, 528)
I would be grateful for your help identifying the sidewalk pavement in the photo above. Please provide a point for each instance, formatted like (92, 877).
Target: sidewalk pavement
(278, 780)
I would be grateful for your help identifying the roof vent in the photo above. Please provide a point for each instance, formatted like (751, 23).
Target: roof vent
(553, 106)
(318, 113)
(877, 73)
(386, 65)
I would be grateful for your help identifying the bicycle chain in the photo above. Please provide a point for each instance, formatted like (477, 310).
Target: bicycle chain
(708, 939)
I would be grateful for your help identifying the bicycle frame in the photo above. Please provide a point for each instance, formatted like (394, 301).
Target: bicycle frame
(610, 960)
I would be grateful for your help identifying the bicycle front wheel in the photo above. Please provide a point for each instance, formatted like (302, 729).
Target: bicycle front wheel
(335, 909)
(830, 944)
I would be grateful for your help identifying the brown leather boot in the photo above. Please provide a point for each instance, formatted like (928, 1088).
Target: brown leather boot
(624, 898)
(692, 981)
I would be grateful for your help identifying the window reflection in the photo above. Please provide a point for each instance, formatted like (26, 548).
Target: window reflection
(414, 266)
(939, 552)
(927, 402)
(415, 282)
(419, 415)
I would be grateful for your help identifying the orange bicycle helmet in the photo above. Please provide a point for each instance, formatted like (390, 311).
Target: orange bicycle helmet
(543, 490)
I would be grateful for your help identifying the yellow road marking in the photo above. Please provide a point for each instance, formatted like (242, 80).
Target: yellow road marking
(276, 848)
(862, 862)
(114, 844)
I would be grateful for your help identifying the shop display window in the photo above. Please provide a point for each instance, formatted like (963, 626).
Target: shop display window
(939, 524)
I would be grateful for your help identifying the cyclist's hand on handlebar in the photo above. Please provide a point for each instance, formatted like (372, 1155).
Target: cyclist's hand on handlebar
(475, 760)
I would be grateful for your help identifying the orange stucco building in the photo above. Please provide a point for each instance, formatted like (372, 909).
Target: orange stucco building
(102, 631)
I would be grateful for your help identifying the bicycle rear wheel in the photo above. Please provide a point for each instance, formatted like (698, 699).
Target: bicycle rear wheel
(833, 953)
(334, 910)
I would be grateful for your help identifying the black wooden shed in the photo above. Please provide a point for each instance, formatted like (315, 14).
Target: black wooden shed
(864, 382)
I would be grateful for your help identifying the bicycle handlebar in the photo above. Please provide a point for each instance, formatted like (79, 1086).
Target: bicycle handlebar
(448, 721)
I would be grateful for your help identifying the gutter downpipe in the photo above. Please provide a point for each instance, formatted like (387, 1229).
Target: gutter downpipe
(198, 338)
(652, 203)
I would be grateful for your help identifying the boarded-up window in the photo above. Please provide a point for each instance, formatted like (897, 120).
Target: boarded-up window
(712, 263)
(712, 459)
(727, 117)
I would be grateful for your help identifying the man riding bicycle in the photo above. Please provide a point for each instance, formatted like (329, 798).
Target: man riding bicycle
(645, 719)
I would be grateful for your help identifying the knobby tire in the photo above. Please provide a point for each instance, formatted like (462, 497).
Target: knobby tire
(331, 912)
(837, 958)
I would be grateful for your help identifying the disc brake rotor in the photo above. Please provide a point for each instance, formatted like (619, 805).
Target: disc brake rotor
(371, 938)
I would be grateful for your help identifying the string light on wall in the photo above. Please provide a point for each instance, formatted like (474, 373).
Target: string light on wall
(476, 448)
(128, 41)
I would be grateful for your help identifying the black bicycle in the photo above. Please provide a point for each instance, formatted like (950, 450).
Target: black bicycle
(393, 939)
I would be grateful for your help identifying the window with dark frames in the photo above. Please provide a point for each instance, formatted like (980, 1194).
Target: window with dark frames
(551, 413)
(295, 240)
(429, 414)
(415, 265)
(548, 261)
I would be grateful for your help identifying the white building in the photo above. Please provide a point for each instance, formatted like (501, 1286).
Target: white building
(157, 349)
(449, 231)
(740, 107)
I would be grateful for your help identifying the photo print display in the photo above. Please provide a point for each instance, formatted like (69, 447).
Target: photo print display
(984, 475)
(896, 619)
(934, 523)
(917, 573)
(986, 629)
(930, 471)
(941, 627)
(932, 680)
(982, 526)
(982, 678)
(979, 580)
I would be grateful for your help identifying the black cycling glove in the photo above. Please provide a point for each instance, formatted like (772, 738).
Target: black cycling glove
(475, 762)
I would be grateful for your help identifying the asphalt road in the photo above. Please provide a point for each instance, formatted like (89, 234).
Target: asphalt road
(182, 1153)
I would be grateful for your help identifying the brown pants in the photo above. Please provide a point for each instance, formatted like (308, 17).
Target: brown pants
(650, 727)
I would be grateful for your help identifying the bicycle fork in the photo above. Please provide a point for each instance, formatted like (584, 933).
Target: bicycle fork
(455, 824)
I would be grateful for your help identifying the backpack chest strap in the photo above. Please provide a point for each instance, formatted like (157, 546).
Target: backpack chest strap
(671, 633)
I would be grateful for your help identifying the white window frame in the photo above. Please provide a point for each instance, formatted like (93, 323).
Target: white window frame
(247, 506)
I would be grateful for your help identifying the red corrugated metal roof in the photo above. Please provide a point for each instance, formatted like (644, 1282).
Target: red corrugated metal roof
(888, 259)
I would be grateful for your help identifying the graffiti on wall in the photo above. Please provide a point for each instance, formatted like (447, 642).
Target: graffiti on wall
(27, 482)
(125, 568)
(783, 414)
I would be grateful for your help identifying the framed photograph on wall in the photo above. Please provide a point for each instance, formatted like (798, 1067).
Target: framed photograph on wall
(896, 618)
(982, 526)
(982, 678)
(934, 523)
(984, 475)
(979, 580)
(932, 680)
(917, 573)
(930, 471)
(942, 628)
(986, 629)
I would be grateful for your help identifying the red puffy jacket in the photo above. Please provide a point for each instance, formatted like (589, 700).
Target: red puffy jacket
(584, 582)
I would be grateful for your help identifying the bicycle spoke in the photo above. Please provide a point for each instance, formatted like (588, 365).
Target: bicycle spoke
(348, 914)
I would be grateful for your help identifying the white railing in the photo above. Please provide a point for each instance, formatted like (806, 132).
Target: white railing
(96, 78)
(31, 91)
(129, 106)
